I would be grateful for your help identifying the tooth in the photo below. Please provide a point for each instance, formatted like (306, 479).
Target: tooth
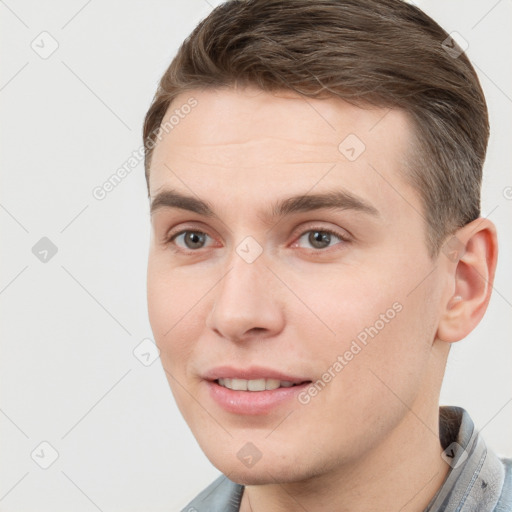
(239, 384)
(272, 384)
(256, 385)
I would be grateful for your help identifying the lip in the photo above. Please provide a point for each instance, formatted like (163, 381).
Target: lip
(252, 373)
(251, 402)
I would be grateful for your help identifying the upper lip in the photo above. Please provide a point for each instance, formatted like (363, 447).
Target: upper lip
(251, 373)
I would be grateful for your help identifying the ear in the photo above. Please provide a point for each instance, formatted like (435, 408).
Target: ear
(470, 259)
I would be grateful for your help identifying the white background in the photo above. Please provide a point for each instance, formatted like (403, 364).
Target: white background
(70, 325)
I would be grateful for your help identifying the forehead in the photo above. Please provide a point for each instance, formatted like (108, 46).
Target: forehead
(253, 143)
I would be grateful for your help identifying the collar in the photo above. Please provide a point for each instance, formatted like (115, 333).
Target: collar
(475, 480)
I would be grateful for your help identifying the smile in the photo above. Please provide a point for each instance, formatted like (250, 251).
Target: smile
(255, 384)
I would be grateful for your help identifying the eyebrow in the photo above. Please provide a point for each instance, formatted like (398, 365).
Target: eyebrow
(336, 200)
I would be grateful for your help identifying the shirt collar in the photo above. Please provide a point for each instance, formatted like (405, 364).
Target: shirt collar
(476, 477)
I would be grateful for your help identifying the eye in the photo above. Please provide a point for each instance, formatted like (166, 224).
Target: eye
(318, 238)
(321, 238)
(190, 239)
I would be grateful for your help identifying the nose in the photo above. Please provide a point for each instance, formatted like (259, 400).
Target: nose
(247, 302)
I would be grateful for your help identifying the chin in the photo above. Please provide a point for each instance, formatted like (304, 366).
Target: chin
(263, 473)
(248, 477)
(255, 476)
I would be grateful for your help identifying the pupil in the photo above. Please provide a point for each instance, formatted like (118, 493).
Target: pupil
(319, 239)
(194, 240)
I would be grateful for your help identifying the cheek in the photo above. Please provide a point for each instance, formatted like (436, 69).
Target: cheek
(381, 321)
(172, 308)
(348, 303)
(394, 364)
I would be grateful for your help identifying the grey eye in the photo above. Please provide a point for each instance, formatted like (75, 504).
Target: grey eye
(192, 239)
(319, 239)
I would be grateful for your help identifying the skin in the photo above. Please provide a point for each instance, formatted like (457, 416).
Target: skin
(369, 440)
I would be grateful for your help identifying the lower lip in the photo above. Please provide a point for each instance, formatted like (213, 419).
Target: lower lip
(252, 402)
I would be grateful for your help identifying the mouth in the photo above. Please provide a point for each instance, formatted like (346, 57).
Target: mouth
(253, 392)
(257, 385)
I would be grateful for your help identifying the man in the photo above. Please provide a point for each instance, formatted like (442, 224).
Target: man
(314, 174)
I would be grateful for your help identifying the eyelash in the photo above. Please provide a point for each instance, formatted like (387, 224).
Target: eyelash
(172, 236)
(343, 238)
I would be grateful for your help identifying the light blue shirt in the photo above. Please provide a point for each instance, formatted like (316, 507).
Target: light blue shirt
(478, 481)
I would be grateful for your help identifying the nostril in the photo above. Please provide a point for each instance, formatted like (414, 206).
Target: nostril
(256, 329)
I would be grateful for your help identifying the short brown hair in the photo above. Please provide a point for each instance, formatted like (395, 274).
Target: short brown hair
(382, 52)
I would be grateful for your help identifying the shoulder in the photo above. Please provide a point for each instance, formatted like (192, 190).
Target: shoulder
(222, 495)
(505, 501)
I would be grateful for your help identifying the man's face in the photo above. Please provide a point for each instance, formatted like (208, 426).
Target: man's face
(342, 300)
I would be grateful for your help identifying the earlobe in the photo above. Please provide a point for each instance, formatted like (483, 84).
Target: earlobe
(470, 276)
(454, 320)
